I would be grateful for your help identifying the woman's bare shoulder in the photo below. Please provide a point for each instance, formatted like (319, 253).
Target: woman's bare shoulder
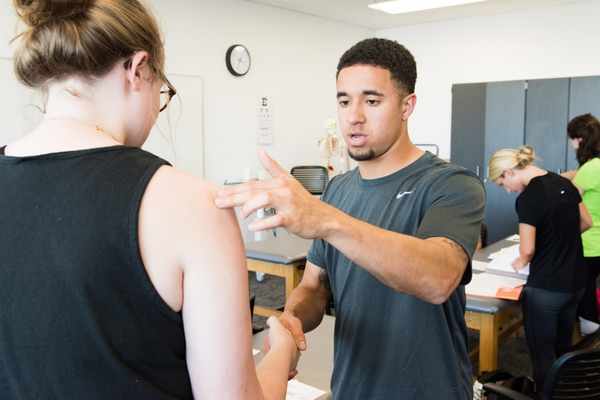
(183, 205)
(175, 186)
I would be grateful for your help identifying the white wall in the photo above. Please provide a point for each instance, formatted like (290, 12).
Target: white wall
(293, 62)
(294, 58)
(556, 41)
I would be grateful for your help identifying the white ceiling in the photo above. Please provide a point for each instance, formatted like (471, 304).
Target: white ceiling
(356, 12)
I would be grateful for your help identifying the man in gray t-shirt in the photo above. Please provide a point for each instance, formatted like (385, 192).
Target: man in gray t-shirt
(393, 241)
(391, 345)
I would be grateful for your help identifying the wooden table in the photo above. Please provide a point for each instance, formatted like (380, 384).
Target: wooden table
(495, 322)
(495, 319)
(283, 256)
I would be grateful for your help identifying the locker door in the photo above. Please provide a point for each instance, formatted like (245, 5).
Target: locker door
(546, 114)
(504, 128)
(584, 98)
(468, 124)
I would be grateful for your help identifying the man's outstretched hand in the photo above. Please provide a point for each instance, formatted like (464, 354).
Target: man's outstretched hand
(297, 210)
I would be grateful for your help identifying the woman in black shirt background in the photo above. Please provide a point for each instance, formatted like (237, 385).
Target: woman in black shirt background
(551, 219)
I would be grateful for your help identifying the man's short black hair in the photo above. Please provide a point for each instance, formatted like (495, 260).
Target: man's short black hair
(383, 53)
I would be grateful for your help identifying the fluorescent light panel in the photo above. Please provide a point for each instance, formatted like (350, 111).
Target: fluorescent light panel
(407, 6)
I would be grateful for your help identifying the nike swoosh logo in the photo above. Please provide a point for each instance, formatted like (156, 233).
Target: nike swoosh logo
(402, 194)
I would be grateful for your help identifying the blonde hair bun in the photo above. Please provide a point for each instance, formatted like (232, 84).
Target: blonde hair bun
(506, 159)
(35, 13)
(525, 156)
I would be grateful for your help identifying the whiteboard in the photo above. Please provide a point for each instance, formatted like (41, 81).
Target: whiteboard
(178, 135)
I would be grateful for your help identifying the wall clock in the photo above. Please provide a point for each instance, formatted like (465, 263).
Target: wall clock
(238, 60)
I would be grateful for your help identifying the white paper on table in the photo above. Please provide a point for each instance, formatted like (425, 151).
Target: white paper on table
(487, 285)
(478, 265)
(297, 390)
(506, 251)
(514, 238)
(502, 260)
(255, 352)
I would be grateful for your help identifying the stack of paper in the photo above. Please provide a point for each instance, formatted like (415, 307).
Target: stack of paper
(493, 285)
(502, 260)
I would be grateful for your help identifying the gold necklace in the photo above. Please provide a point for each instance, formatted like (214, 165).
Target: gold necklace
(97, 127)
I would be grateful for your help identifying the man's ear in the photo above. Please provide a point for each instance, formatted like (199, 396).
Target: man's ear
(408, 106)
(137, 65)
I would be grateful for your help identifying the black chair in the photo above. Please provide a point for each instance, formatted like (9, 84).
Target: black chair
(314, 178)
(573, 376)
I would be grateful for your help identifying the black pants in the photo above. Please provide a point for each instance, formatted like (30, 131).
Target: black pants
(587, 307)
(549, 319)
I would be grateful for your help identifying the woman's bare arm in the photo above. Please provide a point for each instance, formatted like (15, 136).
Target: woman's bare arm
(203, 245)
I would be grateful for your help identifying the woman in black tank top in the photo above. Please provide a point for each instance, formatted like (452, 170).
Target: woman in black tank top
(119, 278)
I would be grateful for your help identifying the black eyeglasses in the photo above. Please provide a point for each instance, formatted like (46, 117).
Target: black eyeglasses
(166, 95)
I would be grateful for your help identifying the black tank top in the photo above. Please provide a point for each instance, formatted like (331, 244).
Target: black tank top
(79, 316)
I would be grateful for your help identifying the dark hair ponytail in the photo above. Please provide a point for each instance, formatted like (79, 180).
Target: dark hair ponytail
(587, 128)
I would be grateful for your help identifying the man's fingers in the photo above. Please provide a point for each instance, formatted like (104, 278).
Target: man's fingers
(233, 200)
(295, 327)
(248, 187)
(271, 165)
(256, 202)
(234, 189)
(300, 340)
(275, 221)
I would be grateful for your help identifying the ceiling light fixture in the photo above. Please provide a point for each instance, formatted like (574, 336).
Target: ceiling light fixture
(407, 6)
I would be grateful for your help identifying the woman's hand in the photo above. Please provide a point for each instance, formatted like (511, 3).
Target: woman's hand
(519, 263)
(280, 339)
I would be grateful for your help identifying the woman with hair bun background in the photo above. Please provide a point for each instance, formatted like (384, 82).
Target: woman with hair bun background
(119, 278)
(584, 134)
(551, 219)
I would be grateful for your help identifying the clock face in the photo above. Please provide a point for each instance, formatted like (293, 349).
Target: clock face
(238, 60)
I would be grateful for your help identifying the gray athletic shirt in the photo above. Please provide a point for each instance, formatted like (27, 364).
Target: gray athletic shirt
(390, 345)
